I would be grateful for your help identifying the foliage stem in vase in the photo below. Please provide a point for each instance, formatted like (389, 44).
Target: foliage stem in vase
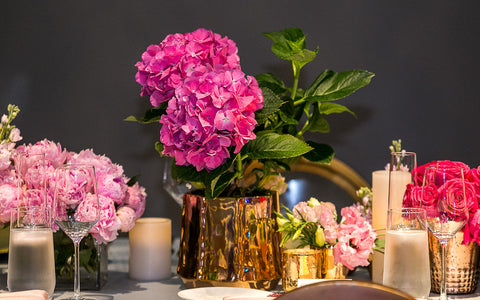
(232, 134)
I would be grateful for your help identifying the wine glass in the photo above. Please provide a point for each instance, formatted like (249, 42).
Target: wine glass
(75, 207)
(443, 197)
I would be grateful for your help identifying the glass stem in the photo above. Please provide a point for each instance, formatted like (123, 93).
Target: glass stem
(76, 280)
(443, 284)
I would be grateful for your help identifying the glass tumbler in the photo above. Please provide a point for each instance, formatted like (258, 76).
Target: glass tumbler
(407, 265)
(31, 264)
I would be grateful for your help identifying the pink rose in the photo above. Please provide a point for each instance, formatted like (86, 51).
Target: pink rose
(127, 218)
(453, 197)
(472, 229)
(441, 164)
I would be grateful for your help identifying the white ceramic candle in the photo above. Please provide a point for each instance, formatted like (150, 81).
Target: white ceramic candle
(379, 218)
(150, 244)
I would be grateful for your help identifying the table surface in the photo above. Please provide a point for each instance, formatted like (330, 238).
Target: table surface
(121, 287)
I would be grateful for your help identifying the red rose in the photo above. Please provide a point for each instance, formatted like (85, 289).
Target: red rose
(419, 172)
(412, 196)
(453, 198)
(473, 176)
(429, 199)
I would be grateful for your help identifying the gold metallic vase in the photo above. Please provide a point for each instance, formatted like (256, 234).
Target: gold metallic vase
(315, 263)
(461, 262)
(230, 242)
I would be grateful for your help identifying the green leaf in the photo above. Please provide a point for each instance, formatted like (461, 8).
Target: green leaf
(327, 108)
(287, 42)
(159, 148)
(218, 184)
(271, 145)
(302, 58)
(317, 123)
(152, 115)
(268, 80)
(271, 105)
(215, 181)
(331, 86)
(321, 153)
(133, 180)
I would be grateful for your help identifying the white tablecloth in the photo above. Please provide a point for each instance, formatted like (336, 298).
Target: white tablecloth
(120, 287)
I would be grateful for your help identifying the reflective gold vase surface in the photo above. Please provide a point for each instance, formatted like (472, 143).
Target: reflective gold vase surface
(461, 262)
(230, 242)
(314, 263)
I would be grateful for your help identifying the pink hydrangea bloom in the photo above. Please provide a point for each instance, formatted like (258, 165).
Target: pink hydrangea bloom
(106, 229)
(211, 103)
(8, 200)
(127, 218)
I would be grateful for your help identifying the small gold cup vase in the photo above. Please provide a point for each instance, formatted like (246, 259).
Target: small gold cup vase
(314, 263)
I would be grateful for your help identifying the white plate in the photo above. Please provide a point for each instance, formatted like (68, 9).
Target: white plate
(218, 293)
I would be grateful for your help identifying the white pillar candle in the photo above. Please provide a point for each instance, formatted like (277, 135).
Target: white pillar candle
(398, 185)
(379, 218)
(150, 244)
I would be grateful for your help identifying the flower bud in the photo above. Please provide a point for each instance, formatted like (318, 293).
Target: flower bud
(319, 237)
(312, 202)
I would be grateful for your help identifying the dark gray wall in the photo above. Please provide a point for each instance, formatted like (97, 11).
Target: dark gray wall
(69, 65)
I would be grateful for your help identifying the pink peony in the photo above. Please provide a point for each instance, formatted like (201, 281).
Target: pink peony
(127, 218)
(109, 176)
(8, 200)
(106, 229)
(88, 210)
(5, 158)
(135, 199)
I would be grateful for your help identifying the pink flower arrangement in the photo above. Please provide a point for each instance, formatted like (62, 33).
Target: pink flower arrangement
(122, 200)
(416, 194)
(314, 224)
(211, 103)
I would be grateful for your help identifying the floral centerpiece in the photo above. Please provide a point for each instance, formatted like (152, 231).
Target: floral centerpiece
(122, 199)
(462, 250)
(230, 133)
(314, 224)
(415, 194)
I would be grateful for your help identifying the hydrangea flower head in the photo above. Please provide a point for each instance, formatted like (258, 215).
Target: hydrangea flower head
(211, 102)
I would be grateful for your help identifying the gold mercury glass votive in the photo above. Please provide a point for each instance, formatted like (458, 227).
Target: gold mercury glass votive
(300, 264)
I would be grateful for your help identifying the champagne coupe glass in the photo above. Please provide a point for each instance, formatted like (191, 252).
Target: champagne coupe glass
(75, 207)
(443, 197)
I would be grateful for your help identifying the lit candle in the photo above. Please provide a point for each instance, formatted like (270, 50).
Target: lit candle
(150, 243)
(379, 218)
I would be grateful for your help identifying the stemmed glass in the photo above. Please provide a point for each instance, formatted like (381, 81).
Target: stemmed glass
(76, 208)
(443, 197)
